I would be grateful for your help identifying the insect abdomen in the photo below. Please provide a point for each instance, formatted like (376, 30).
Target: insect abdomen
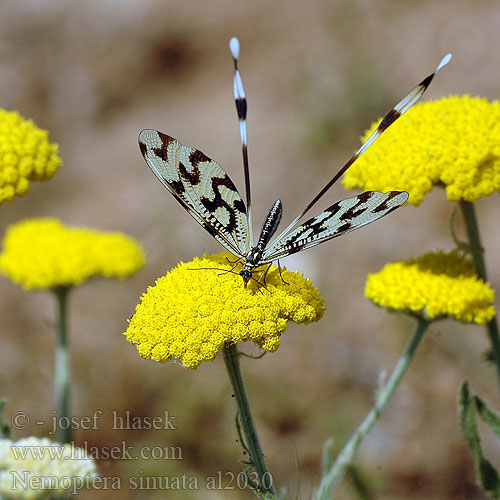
(270, 224)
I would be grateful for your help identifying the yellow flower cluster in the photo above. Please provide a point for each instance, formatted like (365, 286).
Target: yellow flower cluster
(33, 468)
(191, 312)
(437, 285)
(25, 154)
(454, 141)
(44, 253)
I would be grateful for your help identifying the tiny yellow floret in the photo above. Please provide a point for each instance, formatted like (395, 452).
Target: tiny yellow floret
(44, 253)
(34, 468)
(26, 154)
(435, 285)
(452, 142)
(190, 313)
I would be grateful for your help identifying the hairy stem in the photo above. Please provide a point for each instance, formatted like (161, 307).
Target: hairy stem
(245, 416)
(62, 367)
(477, 251)
(346, 456)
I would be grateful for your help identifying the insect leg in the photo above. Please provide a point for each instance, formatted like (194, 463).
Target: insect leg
(281, 276)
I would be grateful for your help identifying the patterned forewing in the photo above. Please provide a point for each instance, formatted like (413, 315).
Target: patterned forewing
(201, 186)
(340, 218)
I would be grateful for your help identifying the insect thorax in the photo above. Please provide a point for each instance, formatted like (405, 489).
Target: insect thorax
(251, 262)
(254, 255)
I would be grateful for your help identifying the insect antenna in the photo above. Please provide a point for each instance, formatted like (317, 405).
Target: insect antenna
(241, 108)
(392, 115)
(225, 271)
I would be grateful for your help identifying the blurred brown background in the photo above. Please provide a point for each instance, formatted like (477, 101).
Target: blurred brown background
(316, 75)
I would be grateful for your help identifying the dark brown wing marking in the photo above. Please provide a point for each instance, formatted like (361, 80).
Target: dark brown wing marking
(201, 186)
(338, 219)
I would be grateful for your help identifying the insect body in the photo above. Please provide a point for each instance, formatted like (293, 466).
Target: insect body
(204, 189)
(253, 258)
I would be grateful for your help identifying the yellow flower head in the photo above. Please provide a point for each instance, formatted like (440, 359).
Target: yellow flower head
(44, 253)
(25, 154)
(435, 285)
(34, 468)
(454, 141)
(191, 312)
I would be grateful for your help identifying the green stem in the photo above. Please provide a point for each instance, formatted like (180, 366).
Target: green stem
(245, 415)
(346, 456)
(472, 228)
(5, 430)
(62, 367)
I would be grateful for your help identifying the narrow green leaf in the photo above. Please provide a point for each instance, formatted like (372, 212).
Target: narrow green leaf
(264, 495)
(489, 479)
(327, 455)
(468, 419)
(491, 418)
(488, 476)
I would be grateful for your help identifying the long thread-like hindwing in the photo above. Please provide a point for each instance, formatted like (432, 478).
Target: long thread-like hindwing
(201, 186)
(241, 109)
(338, 219)
(391, 116)
(204, 189)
